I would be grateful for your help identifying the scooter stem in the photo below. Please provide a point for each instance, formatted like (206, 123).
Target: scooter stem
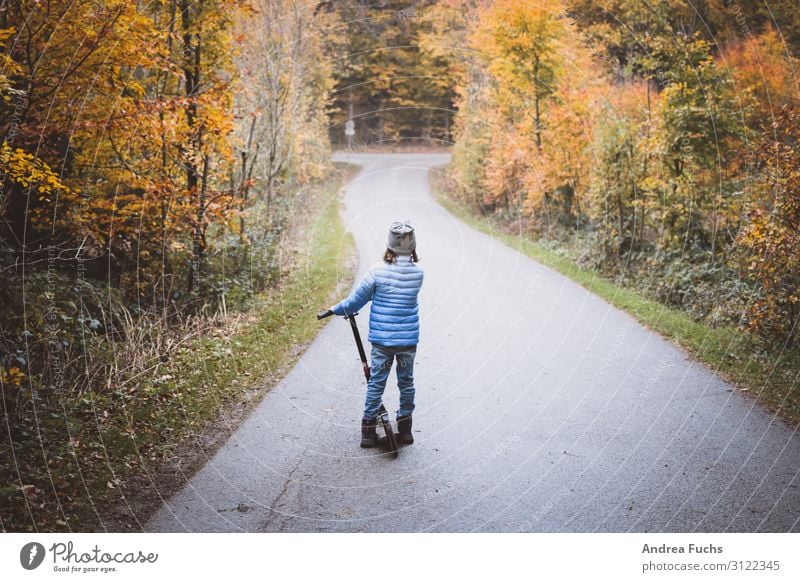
(362, 354)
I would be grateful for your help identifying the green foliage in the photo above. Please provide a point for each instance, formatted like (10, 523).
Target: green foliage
(617, 193)
(696, 129)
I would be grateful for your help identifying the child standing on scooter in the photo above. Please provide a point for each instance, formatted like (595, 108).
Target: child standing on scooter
(393, 286)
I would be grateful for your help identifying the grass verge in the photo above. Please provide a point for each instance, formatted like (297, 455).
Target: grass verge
(771, 378)
(107, 460)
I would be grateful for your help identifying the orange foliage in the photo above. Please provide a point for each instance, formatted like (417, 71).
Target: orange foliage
(771, 242)
(764, 75)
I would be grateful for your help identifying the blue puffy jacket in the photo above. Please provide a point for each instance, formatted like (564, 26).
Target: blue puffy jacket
(393, 289)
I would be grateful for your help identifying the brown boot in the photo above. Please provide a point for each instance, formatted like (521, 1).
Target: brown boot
(369, 436)
(404, 435)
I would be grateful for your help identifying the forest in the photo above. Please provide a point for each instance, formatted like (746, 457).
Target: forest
(653, 142)
(155, 156)
(662, 152)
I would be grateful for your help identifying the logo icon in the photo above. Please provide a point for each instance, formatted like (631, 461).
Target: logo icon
(31, 555)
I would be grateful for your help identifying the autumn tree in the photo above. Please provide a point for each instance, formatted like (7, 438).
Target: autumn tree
(645, 137)
(696, 129)
(65, 76)
(395, 89)
(770, 244)
(521, 41)
(471, 129)
(619, 207)
(763, 74)
(19, 169)
(206, 64)
(104, 90)
(286, 81)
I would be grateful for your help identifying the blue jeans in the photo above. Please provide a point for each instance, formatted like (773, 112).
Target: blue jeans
(382, 358)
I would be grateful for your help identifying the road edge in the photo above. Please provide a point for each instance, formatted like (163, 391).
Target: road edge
(309, 279)
(725, 351)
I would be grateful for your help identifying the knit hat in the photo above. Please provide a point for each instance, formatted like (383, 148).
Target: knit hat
(401, 238)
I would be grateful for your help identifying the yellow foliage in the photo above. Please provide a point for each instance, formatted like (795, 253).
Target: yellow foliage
(11, 377)
(28, 171)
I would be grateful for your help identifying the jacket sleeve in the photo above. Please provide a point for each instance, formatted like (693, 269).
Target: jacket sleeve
(358, 298)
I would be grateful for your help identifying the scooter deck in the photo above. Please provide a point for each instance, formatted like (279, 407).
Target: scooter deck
(389, 441)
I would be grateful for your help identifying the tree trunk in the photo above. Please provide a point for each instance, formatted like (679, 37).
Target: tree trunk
(537, 120)
(199, 235)
(191, 75)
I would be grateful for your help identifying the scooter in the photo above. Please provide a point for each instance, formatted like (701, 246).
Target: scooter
(389, 439)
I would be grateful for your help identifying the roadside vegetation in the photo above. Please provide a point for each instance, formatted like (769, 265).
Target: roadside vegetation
(157, 197)
(649, 151)
(101, 460)
(768, 375)
(151, 196)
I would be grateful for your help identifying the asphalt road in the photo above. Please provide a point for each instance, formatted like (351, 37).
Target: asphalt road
(539, 408)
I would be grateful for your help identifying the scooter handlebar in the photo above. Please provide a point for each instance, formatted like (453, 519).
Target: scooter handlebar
(324, 313)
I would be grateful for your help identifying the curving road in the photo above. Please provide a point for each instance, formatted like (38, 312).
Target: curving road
(539, 408)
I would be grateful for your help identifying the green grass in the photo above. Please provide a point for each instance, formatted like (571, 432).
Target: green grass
(772, 378)
(172, 417)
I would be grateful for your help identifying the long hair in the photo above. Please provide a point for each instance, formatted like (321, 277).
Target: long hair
(390, 256)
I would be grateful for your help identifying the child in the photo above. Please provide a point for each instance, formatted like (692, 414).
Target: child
(392, 286)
